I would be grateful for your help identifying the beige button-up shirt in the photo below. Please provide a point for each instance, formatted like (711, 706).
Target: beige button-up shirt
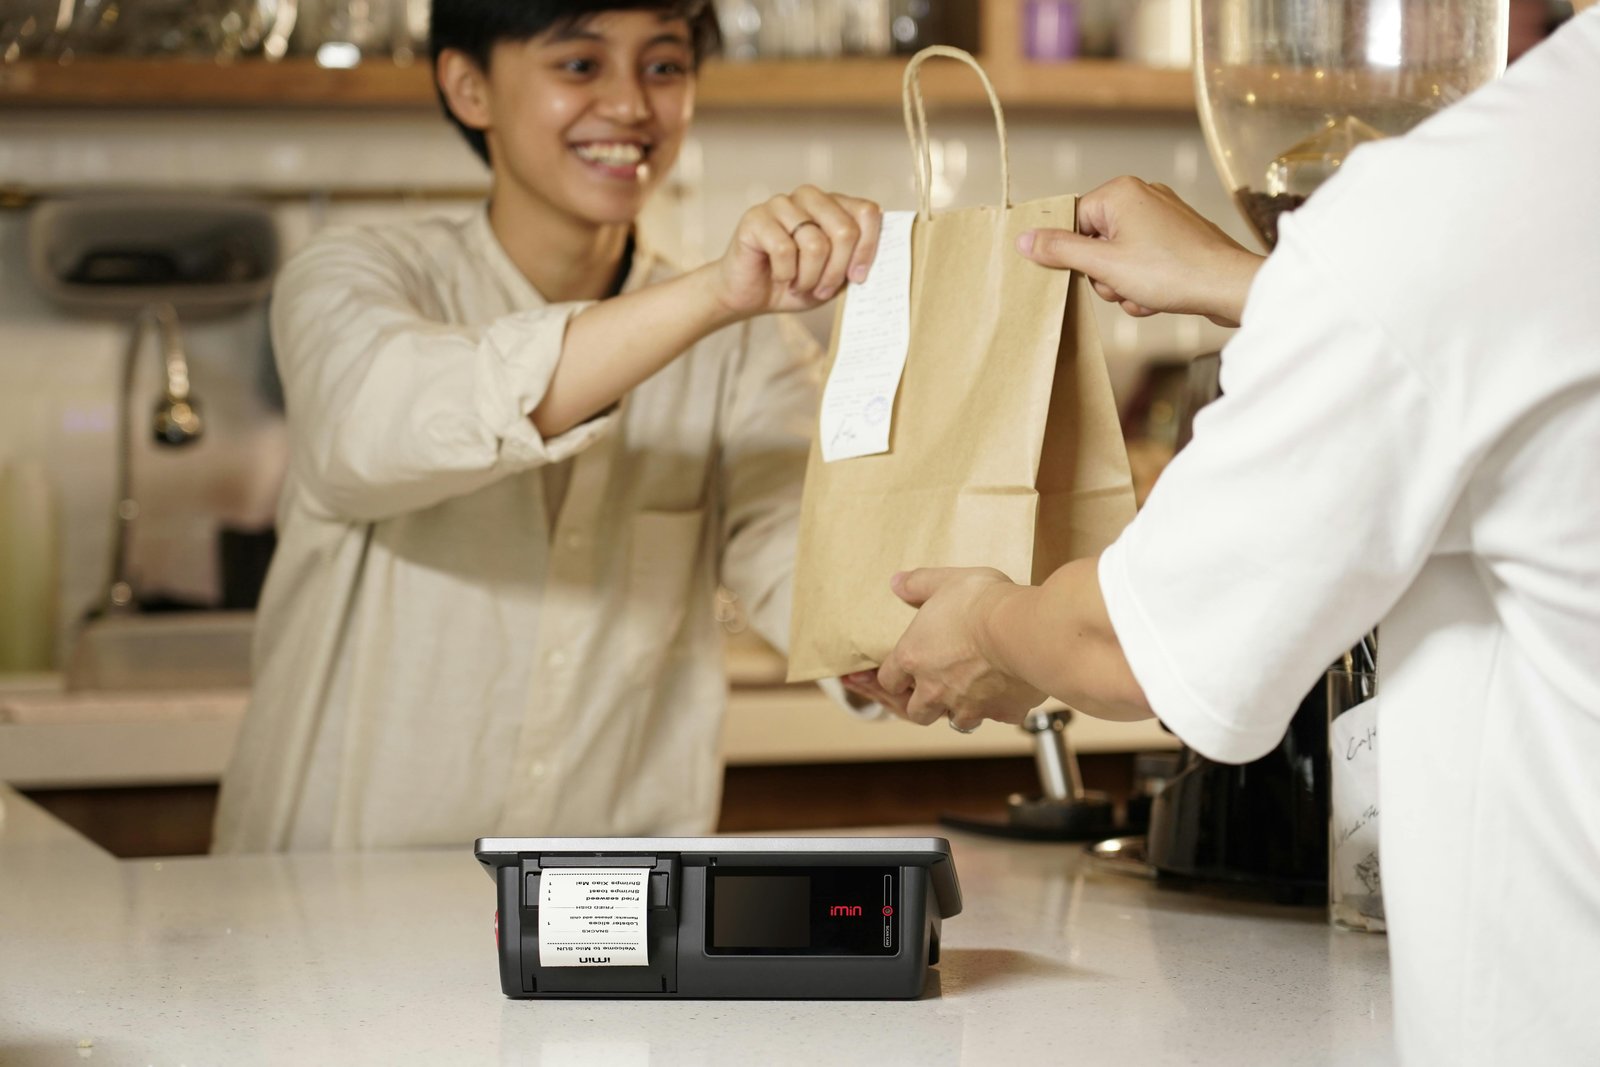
(437, 657)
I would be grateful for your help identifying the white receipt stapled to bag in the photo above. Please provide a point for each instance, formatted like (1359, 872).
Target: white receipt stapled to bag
(593, 917)
(874, 336)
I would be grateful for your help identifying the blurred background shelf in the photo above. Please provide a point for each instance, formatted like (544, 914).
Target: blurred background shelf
(842, 84)
(1085, 84)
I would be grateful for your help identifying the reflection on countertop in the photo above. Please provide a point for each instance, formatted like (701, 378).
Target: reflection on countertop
(389, 958)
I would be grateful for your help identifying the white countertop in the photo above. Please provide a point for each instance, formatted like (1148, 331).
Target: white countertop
(389, 959)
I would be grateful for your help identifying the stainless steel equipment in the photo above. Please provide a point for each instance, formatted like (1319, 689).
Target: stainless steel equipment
(1064, 810)
(151, 258)
(175, 423)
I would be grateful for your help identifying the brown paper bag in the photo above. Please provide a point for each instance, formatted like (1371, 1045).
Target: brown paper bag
(1005, 449)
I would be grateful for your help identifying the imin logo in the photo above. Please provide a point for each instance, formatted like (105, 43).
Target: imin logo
(594, 959)
(844, 909)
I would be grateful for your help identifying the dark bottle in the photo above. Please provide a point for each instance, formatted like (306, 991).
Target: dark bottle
(916, 24)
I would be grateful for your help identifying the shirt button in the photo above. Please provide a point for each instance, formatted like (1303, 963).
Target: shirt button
(575, 540)
(556, 659)
(537, 769)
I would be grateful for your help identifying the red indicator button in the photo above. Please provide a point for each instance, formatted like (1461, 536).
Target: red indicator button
(888, 910)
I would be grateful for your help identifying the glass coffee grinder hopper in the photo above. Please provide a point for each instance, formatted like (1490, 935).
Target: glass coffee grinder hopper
(1287, 90)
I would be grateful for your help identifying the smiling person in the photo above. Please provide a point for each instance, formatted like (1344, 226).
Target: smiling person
(1409, 433)
(525, 450)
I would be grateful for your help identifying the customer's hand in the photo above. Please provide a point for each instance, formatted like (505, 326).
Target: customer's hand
(864, 686)
(797, 251)
(1142, 247)
(940, 665)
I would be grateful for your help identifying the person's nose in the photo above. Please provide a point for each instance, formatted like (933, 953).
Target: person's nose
(624, 100)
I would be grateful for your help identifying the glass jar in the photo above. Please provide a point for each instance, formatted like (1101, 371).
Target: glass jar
(740, 23)
(865, 28)
(1156, 33)
(1050, 29)
(341, 33)
(195, 29)
(32, 28)
(409, 30)
(1288, 89)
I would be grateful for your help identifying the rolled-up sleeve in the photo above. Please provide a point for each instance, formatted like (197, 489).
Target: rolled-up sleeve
(767, 424)
(765, 438)
(1312, 494)
(392, 411)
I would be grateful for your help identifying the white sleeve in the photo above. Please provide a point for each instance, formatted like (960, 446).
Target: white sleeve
(765, 438)
(393, 411)
(767, 424)
(1311, 495)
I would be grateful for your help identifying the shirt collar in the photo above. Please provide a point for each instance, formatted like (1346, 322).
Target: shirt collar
(494, 254)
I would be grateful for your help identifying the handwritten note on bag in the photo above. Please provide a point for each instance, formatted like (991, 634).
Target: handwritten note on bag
(1353, 740)
(874, 334)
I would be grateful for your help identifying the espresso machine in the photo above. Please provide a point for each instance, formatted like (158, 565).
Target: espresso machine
(1287, 89)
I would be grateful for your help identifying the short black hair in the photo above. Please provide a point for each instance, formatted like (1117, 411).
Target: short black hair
(476, 26)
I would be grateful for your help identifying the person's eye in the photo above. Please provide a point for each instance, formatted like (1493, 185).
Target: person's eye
(667, 68)
(579, 67)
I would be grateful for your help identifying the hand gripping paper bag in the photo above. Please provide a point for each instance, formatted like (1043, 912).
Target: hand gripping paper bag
(1004, 446)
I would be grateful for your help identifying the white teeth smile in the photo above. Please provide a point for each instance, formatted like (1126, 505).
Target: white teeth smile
(611, 154)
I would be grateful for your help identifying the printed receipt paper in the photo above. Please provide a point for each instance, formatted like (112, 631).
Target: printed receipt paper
(593, 917)
(874, 335)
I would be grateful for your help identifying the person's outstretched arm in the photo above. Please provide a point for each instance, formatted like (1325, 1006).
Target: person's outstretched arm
(392, 411)
(1142, 247)
(981, 647)
(791, 253)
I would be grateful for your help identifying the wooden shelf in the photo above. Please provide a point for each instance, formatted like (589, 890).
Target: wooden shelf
(849, 84)
(292, 83)
(1092, 85)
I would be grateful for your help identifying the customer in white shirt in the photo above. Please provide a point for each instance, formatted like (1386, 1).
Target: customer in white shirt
(1409, 433)
(525, 451)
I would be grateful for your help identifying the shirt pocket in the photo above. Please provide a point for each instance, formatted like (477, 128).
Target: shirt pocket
(662, 559)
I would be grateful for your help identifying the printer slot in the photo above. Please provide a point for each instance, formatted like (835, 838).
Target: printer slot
(658, 889)
(659, 977)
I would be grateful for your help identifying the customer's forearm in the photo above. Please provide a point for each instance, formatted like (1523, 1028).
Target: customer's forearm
(613, 346)
(1058, 638)
(1235, 272)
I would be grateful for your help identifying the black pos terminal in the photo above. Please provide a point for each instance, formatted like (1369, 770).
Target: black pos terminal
(759, 917)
